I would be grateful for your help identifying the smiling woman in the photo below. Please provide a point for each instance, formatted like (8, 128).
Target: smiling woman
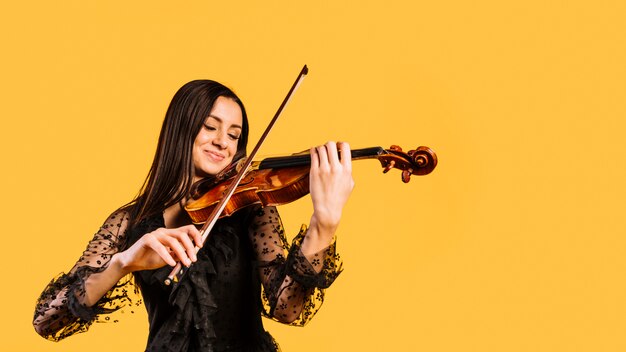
(245, 269)
(216, 143)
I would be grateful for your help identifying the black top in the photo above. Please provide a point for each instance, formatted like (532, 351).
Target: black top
(245, 269)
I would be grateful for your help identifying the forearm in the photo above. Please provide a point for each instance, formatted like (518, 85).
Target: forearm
(301, 289)
(67, 302)
(72, 301)
(288, 304)
(317, 239)
(98, 284)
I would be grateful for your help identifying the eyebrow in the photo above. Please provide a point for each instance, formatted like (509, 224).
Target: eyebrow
(222, 121)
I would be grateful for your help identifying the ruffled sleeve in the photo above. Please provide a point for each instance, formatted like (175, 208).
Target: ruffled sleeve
(293, 284)
(60, 310)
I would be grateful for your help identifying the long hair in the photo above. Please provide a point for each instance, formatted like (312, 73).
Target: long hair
(171, 174)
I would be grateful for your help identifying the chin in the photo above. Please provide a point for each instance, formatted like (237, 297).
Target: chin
(214, 169)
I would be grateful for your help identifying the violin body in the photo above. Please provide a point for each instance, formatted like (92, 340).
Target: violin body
(268, 187)
(282, 180)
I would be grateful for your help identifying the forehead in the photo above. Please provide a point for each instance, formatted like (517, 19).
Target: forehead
(226, 111)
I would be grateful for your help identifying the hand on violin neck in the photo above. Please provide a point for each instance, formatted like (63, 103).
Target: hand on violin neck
(330, 183)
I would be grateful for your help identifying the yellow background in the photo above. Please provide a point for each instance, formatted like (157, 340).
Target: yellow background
(514, 243)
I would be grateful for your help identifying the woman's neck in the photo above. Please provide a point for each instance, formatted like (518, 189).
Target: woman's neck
(176, 216)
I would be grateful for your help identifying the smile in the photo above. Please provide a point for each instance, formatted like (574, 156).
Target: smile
(215, 156)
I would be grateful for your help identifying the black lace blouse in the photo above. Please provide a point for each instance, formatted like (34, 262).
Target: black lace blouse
(245, 270)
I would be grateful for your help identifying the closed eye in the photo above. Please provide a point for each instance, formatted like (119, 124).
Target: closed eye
(230, 135)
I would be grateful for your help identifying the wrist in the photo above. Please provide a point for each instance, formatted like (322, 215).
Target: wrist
(325, 228)
(119, 264)
(318, 237)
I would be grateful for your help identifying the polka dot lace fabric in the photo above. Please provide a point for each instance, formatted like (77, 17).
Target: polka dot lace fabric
(246, 269)
(60, 310)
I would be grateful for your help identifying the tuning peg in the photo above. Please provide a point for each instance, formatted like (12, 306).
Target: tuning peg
(406, 175)
(396, 148)
(389, 166)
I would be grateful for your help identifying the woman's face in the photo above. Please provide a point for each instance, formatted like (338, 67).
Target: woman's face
(216, 143)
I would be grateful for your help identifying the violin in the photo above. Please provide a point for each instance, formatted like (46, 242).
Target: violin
(281, 180)
(276, 181)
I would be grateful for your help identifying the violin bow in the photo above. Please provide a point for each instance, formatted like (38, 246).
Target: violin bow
(178, 272)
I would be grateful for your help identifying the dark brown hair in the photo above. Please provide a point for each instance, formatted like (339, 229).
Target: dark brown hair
(171, 174)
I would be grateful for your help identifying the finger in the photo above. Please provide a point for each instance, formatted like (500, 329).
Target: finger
(160, 249)
(185, 240)
(195, 234)
(346, 156)
(315, 159)
(333, 156)
(176, 248)
(323, 155)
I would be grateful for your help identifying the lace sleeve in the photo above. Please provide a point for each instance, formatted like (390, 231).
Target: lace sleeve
(293, 285)
(60, 310)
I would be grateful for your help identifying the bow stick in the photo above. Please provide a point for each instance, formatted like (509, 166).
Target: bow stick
(177, 273)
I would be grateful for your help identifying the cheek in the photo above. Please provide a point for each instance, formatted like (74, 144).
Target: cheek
(196, 152)
(201, 138)
(233, 147)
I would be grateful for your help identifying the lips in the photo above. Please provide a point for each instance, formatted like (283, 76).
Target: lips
(215, 156)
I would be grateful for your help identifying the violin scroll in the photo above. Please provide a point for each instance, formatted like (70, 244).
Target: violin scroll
(420, 161)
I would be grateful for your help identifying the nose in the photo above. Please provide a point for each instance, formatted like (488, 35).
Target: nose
(220, 141)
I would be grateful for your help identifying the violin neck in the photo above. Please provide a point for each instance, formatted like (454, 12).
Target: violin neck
(305, 159)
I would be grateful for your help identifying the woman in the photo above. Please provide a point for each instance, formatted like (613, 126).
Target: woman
(245, 268)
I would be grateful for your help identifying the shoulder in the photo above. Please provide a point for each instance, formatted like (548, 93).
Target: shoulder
(121, 215)
(117, 220)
